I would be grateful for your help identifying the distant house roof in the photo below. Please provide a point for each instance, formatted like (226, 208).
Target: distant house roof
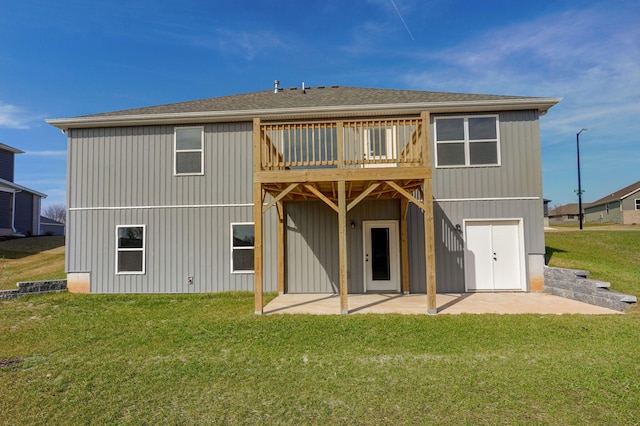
(618, 195)
(10, 149)
(567, 209)
(46, 221)
(298, 103)
(12, 186)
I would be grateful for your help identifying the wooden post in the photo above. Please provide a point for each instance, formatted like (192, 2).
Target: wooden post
(257, 219)
(342, 245)
(404, 244)
(429, 248)
(281, 236)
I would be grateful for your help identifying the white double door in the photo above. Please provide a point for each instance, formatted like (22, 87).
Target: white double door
(494, 255)
(381, 256)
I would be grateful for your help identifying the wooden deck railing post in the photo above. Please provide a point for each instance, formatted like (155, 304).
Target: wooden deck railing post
(257, 219)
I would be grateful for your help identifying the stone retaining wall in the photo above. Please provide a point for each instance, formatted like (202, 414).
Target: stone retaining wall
(34, 287)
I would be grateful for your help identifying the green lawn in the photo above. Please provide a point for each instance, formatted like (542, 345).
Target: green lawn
(612, 256)
(31, 259)
(194, 359)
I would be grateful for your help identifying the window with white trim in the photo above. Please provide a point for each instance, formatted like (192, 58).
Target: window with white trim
(467, 141)
(130, 249)
(637, 200)
(242, 247)
(188, 151)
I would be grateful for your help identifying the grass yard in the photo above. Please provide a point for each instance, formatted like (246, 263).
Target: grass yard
(612, 256)
(193, 359)
(31, 259)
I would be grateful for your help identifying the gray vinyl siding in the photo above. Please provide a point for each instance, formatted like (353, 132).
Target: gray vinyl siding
(629, 203)
(5, 208)
(312, 262)
(24, 213)
(6, 165)
(519, 175)
(180, 243)
(124, 176)
(449, 243)
(599, 213)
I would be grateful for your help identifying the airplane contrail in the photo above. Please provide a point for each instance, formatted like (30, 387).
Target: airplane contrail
(402, 19)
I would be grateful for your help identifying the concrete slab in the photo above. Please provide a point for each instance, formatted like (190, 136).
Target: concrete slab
(469, 303)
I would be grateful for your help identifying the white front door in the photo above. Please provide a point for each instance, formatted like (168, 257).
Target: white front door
(494, 255)
(381, 256)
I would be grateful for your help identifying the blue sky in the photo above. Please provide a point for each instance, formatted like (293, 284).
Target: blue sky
(74, 57)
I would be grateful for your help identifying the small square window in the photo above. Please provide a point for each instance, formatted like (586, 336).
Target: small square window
(188, 151)
(242, 247)
(637, 200)
(130, 249)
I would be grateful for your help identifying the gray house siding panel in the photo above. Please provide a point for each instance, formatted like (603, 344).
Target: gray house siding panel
(449, 243)
(180, 243)
(7, 165)
(5, 208)
(138, 162)
(520, 173)
(120, 176)
(312, 264)
(24, 213)
(599, 213)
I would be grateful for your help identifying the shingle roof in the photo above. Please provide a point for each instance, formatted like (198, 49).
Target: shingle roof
(311, 97)
(619, 194)
(567, 209)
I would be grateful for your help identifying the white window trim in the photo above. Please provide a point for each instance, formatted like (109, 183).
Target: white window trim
(636, 204)
(240, 248)
(466, 141)
(144, 250)
(176, 151)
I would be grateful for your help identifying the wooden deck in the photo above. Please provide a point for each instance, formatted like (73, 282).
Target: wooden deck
(342, 162)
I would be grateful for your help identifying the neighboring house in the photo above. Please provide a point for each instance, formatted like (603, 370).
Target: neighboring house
(19, 206)
(316, 190)
(623, 206)
(565, 214)
(50, 226)
(545, 211)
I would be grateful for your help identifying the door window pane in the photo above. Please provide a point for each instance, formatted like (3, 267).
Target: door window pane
(380, 260)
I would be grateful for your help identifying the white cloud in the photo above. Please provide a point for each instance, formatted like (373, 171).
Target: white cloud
(47, 153)
(13, 117)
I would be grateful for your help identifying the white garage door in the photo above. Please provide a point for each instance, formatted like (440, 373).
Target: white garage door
(494, 255)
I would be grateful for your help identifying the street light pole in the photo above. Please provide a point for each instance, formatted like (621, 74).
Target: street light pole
(579, 183)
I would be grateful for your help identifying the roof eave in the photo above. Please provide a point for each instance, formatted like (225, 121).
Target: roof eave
(17, 188)
(540, 104)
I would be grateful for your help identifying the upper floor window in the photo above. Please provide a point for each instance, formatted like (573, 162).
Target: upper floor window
(467, 141)
(189, 151)
(637, 200)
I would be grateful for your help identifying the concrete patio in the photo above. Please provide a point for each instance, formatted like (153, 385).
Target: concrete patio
(469, 303)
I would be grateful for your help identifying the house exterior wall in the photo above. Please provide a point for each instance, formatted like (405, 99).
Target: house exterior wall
(5, 209)
(312, 263)
(124, 176)
(599, 213)
(24, 213)
(630, 215)
(6, 165)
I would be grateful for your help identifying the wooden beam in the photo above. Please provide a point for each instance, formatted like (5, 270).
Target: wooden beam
(429, 248)
(363, 195)
(406, 194)
(404, 245)
(257, 221)
(279, 197)
(281, 246)
(320, 195)
(342, 246)
(350, 174)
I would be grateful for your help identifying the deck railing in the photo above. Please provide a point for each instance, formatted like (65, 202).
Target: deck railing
(364, 143)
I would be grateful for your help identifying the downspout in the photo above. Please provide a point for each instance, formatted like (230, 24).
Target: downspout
(13, 210)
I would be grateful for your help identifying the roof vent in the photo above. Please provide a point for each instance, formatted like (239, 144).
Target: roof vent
(276, 86)
(304, 89)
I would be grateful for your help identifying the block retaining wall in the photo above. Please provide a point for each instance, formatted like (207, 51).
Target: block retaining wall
(34, 287)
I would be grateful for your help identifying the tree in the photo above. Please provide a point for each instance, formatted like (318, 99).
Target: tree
(57, 212)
